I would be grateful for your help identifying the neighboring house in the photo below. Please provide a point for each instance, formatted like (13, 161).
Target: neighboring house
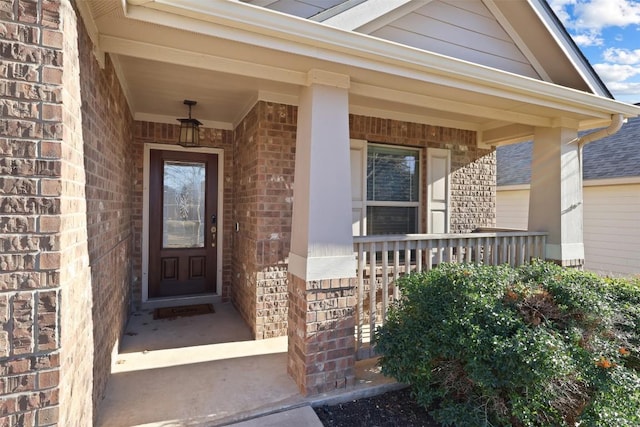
(102, 211)
(611, 179)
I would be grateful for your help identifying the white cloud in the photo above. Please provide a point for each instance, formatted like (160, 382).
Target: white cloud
(594, 15)
(617, 77)
(616, 72)
(587, 18)
(588, 39)
(619, 68)
(622, 56)
(559, 7)
(626, 91)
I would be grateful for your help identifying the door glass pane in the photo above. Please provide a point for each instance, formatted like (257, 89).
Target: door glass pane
(392, 174)
(183, 218)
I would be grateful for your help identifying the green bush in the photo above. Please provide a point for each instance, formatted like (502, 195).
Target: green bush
(535, 346)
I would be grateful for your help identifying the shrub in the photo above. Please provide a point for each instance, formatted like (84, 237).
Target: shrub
(535, 346)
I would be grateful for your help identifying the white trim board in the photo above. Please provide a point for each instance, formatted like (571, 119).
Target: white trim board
(145, 220)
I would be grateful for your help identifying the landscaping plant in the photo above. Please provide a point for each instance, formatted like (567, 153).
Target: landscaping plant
(539, 345)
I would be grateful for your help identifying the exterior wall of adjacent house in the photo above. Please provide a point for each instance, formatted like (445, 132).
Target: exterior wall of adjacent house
(65, 269)
(512, 207)
(611, 227)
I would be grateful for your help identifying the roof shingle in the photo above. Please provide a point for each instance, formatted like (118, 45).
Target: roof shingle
(615, 156)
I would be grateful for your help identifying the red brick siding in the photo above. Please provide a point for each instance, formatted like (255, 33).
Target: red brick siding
(245, 158)
(264, 155)
(161, 133)
(107, 132)
(64, 293)
(321, 345)
(30, 180)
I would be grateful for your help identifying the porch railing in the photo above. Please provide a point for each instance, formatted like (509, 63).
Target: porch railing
(382, 259)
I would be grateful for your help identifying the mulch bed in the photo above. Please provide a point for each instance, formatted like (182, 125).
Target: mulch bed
(391, 409)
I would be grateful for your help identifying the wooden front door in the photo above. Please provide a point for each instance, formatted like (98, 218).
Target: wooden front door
(183, 209)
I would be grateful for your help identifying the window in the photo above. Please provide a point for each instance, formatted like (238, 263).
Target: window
(392, 190)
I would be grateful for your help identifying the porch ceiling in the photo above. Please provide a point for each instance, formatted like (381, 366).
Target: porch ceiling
(228, 64)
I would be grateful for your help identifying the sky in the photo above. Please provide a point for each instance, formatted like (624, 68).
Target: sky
(608, 33)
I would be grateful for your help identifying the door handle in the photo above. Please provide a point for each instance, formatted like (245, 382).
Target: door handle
(213, 219)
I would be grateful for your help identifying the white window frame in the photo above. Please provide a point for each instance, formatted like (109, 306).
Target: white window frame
(361, 202)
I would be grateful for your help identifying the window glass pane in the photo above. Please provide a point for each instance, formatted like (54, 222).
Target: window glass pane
(392, 174)
(183, 205)
(392, 220)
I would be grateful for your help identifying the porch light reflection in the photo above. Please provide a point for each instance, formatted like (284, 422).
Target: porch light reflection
(189, 134)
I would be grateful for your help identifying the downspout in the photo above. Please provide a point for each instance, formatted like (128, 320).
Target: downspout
(616, 123)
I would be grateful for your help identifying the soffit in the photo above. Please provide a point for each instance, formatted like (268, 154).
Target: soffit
(161, 65)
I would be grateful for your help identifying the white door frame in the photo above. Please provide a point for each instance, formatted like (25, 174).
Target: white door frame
(159, 302)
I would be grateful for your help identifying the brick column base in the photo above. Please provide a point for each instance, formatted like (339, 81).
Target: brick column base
(321, 334)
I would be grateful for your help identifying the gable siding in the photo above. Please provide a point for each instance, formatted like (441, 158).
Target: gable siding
(611, 224)
(464, 30)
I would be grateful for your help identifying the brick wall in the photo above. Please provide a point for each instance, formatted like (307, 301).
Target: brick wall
(76, 341)
(264, 154)
(264, 151)
(107, 132)
(30, 177)
(64, 288)
(321, 344)
(161, 133)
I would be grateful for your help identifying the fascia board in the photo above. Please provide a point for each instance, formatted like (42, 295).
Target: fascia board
(297, 35)
(597, 182)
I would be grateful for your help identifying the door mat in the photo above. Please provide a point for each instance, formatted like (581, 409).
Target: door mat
(182, 311)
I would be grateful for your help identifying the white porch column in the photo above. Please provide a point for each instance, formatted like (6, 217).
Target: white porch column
(322, 266)
(321, 235)
(555, 201)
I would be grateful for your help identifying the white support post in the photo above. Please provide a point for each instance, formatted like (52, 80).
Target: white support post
(555, 203)
(321, 235)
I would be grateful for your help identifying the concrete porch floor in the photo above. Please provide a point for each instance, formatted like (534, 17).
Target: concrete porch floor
(206, 371)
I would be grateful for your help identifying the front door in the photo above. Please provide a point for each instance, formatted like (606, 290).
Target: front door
(183, 209)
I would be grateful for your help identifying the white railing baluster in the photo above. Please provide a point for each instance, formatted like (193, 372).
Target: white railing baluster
(373, 285)
(421, 252)
(396, 268)
(361, 266)
(385, 280)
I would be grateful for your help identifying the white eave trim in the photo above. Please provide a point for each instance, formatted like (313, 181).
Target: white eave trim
(599, 182)
(625, 180)
(276, 30)
(92, 30)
